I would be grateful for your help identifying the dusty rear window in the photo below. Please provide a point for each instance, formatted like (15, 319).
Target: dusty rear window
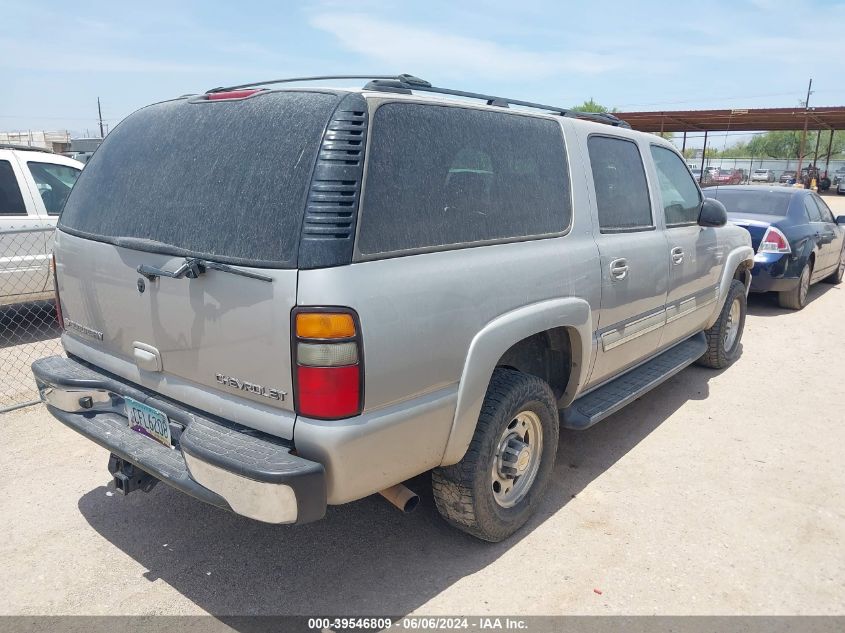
(225, 180)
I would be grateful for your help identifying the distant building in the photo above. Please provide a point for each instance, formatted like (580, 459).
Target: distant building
(82, 149)
(54, 141)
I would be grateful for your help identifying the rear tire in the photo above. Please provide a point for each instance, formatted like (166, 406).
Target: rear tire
(839, 273)
(481, 494)
(796, 298)
(724, 336)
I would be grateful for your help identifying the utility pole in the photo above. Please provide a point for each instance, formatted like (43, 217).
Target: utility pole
(100, 113)
(804, 133)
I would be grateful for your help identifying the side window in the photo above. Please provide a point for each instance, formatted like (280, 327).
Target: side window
(11, 200)
(812, 209)
(681, 198)
(621, 187)
(54, 183)
(440, 176)
(826, 214)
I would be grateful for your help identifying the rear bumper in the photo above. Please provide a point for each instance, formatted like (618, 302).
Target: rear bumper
(771, 273)
(216, 461)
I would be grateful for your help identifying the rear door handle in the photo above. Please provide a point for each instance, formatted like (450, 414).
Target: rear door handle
(619, 269)
(677, 255)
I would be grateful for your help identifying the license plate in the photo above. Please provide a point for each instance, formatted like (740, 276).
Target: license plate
(148, 421)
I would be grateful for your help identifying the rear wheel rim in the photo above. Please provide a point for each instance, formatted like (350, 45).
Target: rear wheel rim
(732, 324)
(517, 459)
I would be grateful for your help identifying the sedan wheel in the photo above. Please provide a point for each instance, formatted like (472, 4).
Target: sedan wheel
(796, 298)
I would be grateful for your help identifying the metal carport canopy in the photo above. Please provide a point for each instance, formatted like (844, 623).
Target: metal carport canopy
(737, 120)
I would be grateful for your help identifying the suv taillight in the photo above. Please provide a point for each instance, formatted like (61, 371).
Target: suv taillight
(774, 241)
(59, 317)
(328, 363)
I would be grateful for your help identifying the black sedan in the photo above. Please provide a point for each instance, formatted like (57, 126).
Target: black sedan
(795, 236)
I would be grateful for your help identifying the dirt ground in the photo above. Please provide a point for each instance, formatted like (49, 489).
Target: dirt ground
(716, 493)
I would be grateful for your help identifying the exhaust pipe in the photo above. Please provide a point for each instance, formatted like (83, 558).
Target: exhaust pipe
(402, 497)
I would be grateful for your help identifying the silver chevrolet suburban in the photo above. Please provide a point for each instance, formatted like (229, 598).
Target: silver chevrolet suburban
(279, 299)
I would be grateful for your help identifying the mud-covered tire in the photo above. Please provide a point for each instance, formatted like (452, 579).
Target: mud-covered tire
(796, 298)
(835, 278)
(722, 349)
(464, 492)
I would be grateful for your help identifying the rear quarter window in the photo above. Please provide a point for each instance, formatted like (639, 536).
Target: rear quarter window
(446, 176)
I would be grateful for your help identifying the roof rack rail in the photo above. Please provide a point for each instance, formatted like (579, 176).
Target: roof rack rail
(409, 79)
(400, 85)
(26, 148)
(406, 84)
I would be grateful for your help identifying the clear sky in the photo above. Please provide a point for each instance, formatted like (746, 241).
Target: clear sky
(57, 57)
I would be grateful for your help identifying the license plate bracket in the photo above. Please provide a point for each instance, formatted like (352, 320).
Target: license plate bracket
(148, 421)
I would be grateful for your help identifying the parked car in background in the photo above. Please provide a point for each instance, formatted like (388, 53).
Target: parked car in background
(82, 149)
(840, 187)
(787, 177)
(702, 178)
(838, 175)
(795, 236)
(728, 177)
(248, 334)
(762, 175)
(82, 157)
(34, 185)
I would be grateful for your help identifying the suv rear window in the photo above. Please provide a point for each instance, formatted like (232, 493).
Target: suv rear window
(225, 180)
(440, 176)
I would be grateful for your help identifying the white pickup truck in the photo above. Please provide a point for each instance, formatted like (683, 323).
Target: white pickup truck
(34, 185)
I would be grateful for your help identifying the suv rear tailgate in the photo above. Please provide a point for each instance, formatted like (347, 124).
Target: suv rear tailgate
(223, 339)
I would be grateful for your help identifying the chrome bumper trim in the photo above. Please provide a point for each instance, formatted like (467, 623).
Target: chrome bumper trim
(268, 502)
(271, 503)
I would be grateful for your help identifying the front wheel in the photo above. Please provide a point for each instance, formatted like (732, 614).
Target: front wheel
(724, 336)
(500, 481)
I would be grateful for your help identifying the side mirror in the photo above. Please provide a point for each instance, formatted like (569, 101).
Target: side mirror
(840, 220)
(713, 213)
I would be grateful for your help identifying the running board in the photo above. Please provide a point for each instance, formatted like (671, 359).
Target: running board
(604, 401)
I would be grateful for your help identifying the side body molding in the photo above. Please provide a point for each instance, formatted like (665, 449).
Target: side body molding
(732, 261)
(488, 346)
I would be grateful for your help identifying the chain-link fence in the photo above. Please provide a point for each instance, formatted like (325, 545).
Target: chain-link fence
(28, 326)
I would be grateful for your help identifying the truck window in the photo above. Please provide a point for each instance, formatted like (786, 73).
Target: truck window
(681, 198)
(11, 200)
(448, 176)
(621, 188)
(54, 183)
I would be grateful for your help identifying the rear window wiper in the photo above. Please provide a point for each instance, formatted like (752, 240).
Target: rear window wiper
(193, 267)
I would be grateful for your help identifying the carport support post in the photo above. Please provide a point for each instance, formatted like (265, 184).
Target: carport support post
(703, 159)
(801, 152)
(829, 148)
(684, 144)
(818, 138)
(804, 133)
